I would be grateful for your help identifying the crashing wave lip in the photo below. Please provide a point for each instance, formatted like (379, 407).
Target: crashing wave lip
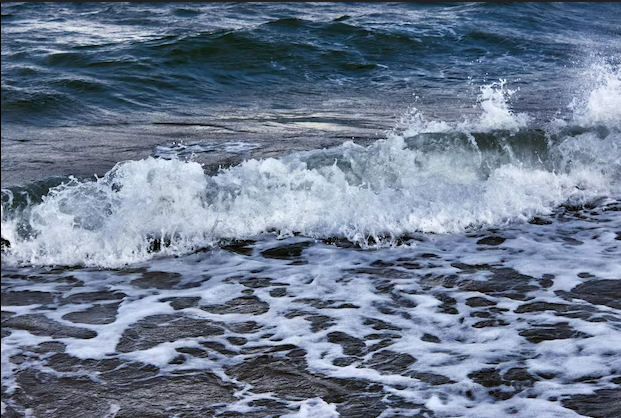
(368, 195)
(600, 103)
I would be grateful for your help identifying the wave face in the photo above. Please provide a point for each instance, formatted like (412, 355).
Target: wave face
(425, 176)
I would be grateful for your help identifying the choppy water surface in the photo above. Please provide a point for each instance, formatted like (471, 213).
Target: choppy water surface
(311, 210)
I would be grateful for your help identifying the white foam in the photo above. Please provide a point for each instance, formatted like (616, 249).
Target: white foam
(408, 182)
(10, 347)
(114, 409)
(189, 151)
(495, 113)
(600, 101)
(338, 276)
(382, 190)
(315, 408)
(518, 408)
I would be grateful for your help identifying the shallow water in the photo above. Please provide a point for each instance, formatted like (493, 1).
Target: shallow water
(516, 321)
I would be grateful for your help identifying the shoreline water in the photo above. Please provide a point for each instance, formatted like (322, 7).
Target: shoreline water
(292, 326)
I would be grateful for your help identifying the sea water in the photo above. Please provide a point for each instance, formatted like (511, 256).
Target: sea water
(311, 210)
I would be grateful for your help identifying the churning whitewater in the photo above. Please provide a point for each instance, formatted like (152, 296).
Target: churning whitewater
(425, 176)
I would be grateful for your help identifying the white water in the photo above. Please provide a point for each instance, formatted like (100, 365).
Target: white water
(370, 195)
(347, 277)
(601, 103)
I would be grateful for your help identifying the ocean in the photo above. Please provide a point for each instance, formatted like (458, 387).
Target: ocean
(311, 210)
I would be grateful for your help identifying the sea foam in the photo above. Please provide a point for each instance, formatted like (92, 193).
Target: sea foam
(425, 176)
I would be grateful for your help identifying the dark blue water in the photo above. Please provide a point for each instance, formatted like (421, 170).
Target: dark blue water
(311, 209)
(90, 63)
